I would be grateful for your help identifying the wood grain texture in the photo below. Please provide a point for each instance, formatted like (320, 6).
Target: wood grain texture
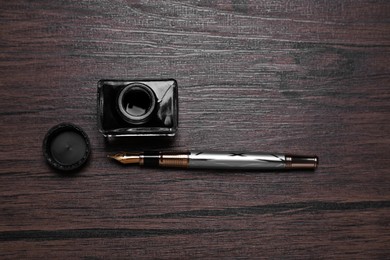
(284, 76)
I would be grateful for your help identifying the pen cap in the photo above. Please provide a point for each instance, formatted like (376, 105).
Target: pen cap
(66, 147)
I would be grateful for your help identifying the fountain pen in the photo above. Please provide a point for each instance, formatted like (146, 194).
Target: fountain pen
(218, 160)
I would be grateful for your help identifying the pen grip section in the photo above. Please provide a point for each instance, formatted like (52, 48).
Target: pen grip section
(165, 159)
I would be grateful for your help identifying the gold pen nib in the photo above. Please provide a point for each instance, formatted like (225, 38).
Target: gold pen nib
(117, 156)
(111, 156)
(126, 158)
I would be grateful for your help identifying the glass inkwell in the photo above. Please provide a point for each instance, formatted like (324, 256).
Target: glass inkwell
(137, 107)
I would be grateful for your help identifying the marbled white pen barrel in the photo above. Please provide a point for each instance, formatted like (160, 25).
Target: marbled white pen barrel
(219, 160)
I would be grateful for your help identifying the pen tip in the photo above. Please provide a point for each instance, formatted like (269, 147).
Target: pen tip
(125, 158)
(114, 156)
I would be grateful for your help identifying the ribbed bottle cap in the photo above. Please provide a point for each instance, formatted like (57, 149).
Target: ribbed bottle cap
(66, 147)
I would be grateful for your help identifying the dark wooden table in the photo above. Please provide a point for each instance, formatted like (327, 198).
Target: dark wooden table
(285, 76)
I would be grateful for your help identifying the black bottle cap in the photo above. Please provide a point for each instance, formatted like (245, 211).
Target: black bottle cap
(66, 147)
